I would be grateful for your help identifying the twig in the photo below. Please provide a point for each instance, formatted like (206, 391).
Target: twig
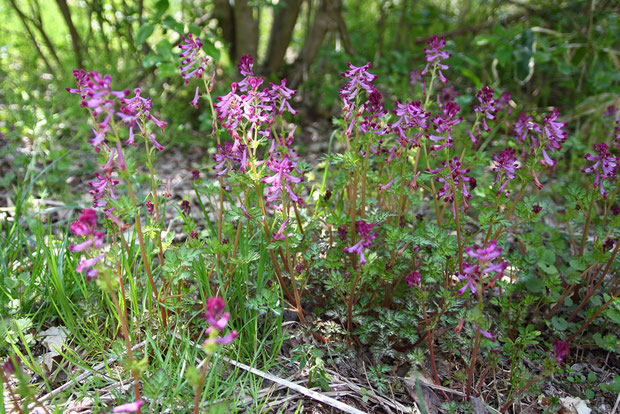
(332, 402)
(87, 374)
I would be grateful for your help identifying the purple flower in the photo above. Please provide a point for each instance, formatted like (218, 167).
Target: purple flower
(98, 96)
(435, 55)
(471, 275)
(536, 208)
(279, 236)
(359, 80)
(416, 76)
(281, 95)
(454, 176)
(443, 124)
(387, 186)
(561, 350)
(343, 233)
(217, 320)
(246, 65)
(102, 187)
(81, 79)
(504, 102)
(194, 102)
(364, 231)
(150, 207)
(537, 182)
(228, 109)
(487, 334)
(487, 107)
(525, 128)
(87, 264)
(374, 111)
(229, 157)
(85, 224)
(132, 407)
(410, 115)
(195, 175)
(136, 111)
(447, 94)
(604, 166)
(505, 166)
(282, 179)
(555, 136)
(186, 209)
(414, 279)
(608, 244)
(485, 254)
(11, 364)
(191, 65)
(85, 227)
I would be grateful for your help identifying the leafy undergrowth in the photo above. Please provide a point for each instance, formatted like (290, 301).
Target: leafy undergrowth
(438, 257)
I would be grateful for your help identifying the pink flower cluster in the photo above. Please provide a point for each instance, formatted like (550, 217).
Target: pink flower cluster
(93, 241)
(474, 273)
(364, 231)
(218, 321)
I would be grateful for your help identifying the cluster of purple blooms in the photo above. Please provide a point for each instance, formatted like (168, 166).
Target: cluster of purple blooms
(85, 227)
(443, 124)
(218, 321)
(604, 167)
(554, 135)
(474, 273)
(434, 55)
(97, 95)
(505, 166)
(252, 110)
(366, 235)
(136, 111)
(454, 178)
(359, 79)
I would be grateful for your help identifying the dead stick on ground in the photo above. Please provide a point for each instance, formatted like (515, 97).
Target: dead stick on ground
(332, 402)
(85, 375)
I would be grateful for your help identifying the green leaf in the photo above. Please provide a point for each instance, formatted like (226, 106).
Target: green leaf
(164, 48)
(150, 60)
(170, 23)
(471, 75)
(577, 264)
(144, 32)
(548, 268)
(559, 323)
(211, 50)
(534, 285)
(160, 8)
(166, 70)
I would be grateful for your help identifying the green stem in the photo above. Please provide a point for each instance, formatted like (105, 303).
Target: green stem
(199, 387)
(585, 229)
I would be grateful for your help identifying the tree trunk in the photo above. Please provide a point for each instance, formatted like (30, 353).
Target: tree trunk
(224, 14)
(97, 8)
(281, 35)
(24, 21)
(246, 31)
(38, 23)
(380, 31)
(325, 19)
(75, 37)
(401, 25)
